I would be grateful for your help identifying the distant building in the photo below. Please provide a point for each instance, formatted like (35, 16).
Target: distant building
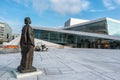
(5, 32)
(99, 33)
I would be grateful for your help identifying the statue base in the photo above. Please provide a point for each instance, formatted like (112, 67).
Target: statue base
(21, 70)
(23, 75)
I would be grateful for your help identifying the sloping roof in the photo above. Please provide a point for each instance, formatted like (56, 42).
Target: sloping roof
(92, 21)
(84, 23)
(79, 33)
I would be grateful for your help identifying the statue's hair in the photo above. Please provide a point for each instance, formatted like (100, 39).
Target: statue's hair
(27, 20)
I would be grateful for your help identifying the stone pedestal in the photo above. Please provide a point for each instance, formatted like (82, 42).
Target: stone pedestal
(22, 75)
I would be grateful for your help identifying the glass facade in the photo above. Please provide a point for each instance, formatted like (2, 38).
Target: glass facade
(103, 26)
(113, 28)
(73, 40)
(96, 27)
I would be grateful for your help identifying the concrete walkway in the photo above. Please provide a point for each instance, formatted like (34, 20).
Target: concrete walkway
(67, 64)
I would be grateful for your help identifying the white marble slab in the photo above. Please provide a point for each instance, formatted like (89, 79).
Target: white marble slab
(19, 75)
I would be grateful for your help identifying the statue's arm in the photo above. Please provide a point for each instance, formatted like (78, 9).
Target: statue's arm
(31, 36)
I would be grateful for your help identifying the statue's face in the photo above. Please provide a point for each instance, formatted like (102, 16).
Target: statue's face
(27, 20)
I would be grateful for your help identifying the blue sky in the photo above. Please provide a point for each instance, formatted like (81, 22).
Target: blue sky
(53, 13)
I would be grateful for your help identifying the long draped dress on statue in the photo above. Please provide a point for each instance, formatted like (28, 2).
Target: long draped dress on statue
(27, 47)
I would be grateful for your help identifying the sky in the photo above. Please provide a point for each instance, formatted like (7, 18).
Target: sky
(53, 13)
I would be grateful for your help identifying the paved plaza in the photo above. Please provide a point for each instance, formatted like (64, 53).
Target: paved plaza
(67, 64)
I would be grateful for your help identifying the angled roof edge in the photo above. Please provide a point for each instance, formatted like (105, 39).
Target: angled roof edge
(88, 22)
(79, 33)
(92, 21)
(78, 19)
(114, 20)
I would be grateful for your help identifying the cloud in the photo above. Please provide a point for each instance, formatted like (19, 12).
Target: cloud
(93, 10)
(111, 4)
(69, 6)
(18, 1)
(40, 5)
(59, 6)
(117, 2)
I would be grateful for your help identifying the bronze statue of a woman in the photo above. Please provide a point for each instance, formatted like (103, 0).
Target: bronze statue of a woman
(27, 48)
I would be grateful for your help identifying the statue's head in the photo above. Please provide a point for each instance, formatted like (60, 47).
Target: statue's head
(27, 20)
